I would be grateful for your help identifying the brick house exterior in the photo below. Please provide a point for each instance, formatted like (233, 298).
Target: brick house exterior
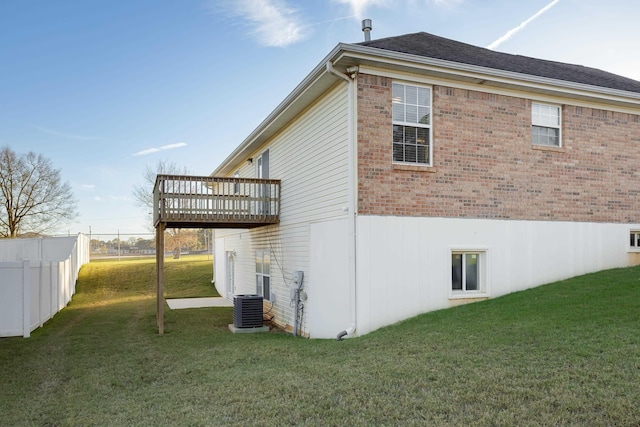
(486, 167)
(479, 196)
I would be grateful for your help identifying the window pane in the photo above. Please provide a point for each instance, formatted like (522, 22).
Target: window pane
(545, 115)
(411, 93)
(423, 154)
(423, 96)
(412, 113)
(266, 265)
(422, 136)
(424, 115)
(471, 269)
(410, 153)
(456, 272)
(410, 135)
(266, 288)
(545, 136)
(258, 285)
(259, 262)
(398, 112)
(632, 242)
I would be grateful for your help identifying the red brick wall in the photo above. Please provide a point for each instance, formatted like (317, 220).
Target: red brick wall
(484, 165)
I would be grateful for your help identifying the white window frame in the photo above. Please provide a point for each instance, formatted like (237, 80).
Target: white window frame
(483, 273)
(538, 121)
(402, 121)
(634, 240)
(261, 275)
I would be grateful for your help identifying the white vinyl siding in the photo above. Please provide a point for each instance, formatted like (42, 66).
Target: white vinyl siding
(310, 158)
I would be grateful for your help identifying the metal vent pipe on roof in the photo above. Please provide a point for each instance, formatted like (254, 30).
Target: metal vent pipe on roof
(366, 28)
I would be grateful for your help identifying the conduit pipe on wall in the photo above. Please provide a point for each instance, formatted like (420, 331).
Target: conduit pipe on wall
(351, 206)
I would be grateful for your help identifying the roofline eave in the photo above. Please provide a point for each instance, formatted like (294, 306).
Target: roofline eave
(345, 55)
(357, 52)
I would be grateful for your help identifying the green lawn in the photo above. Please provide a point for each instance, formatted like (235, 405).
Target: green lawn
(562, 354)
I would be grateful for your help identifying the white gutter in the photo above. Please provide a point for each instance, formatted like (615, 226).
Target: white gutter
(476, 71)
(351, 203)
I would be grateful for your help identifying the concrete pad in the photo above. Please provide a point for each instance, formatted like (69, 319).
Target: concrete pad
(179, 303)
(236, 330)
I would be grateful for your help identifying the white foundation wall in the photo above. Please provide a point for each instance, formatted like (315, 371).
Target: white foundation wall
(404, 263)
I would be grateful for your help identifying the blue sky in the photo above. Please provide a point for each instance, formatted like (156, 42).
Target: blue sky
(105, 87)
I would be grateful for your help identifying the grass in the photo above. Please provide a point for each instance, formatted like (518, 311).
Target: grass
(561, 354)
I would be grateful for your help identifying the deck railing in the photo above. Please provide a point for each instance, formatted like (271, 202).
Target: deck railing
(206, 201)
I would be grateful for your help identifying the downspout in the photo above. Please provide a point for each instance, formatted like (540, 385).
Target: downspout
(350, 78)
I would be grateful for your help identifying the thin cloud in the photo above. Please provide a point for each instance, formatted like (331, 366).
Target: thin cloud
(520, 27)
(68, 135)
(162, 148)
(88, 186)
(358, 7)
(331, 20)
(446, 3)
(274, 23)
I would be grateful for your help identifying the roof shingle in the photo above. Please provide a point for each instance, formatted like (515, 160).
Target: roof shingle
(429, 45)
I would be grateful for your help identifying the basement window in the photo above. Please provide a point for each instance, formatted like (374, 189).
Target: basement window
(634, 240)
(468, 276)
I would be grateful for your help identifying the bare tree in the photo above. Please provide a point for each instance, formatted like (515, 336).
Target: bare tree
(33, 197)
(143, 193)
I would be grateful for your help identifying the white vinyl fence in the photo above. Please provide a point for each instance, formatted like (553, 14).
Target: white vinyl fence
(37, 280)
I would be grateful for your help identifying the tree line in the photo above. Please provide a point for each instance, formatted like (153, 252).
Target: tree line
(187, 241)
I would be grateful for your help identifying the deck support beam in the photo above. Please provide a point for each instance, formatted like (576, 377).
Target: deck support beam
(160, 228)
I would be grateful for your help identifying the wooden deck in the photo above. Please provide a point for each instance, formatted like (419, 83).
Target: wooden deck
(209, 202)
(181, 201)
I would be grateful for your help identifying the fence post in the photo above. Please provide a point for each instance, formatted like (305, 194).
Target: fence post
(40, 293)
(26, 299)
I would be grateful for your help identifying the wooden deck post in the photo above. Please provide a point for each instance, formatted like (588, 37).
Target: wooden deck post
(159, 276)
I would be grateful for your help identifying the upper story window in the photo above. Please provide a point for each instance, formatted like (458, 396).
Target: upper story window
(411, 124)
(545, 124)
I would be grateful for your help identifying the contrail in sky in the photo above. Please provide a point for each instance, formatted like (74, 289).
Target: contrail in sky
(517, 29)
(156, 149)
